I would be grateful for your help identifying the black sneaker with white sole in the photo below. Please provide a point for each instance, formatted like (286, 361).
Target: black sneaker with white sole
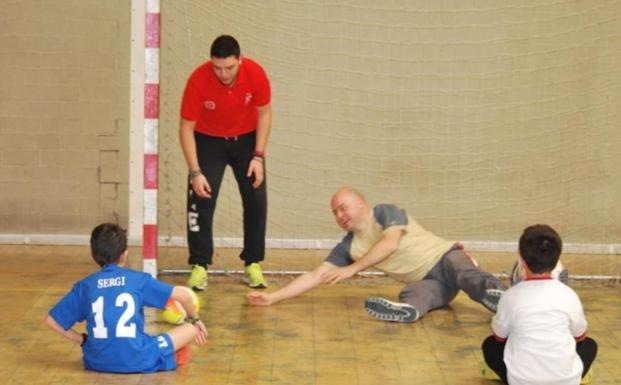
(386, 310)
(490, 299)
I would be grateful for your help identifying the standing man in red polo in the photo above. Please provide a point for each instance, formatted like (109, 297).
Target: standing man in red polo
(226, 120)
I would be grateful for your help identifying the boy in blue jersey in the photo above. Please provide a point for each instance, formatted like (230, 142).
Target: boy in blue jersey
(111, 302)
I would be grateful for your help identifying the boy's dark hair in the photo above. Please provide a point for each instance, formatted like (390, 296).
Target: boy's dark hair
(540, 248)
(225, 46)
(108, 243)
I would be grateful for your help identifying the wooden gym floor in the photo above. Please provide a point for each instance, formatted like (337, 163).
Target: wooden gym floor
(323, 337)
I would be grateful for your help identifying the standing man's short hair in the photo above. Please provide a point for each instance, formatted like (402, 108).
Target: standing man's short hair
(225, 46)
(540, 248)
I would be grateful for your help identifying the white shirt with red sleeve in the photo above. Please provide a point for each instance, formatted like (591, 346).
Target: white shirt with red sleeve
(225, 110)
(541, 319)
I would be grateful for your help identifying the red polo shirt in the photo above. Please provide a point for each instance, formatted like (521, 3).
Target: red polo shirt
(220, 110)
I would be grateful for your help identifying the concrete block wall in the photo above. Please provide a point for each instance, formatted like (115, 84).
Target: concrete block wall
(64, 115)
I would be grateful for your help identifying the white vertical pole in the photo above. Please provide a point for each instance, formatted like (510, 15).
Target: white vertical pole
(136, 121)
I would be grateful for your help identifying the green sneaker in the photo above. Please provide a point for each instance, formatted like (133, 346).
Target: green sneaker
(198, 278)
(254, 276)
(488, 373)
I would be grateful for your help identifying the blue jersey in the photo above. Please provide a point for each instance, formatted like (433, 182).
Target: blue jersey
(111, 302)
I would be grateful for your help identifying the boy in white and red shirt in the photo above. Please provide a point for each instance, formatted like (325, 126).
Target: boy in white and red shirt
(540, 328)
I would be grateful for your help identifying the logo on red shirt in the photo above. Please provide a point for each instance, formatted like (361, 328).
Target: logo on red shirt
(210, 105)
(248, 97)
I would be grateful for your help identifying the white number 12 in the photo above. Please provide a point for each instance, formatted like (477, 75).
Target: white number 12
(122, 330)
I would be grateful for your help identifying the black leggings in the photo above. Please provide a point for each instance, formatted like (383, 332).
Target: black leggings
(494, 351)
(214, 154)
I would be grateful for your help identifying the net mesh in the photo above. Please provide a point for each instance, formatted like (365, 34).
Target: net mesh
(478, 118)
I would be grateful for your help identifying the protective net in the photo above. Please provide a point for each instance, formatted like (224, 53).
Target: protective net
(477, 118)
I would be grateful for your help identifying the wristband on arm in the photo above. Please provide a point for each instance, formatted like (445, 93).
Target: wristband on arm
(194, 173)
(192, 319)
(258, 155)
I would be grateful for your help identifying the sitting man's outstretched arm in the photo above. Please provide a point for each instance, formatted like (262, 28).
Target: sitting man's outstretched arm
(297, 287)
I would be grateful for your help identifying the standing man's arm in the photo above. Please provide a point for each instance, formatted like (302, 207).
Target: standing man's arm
(200, 185)
(264, 127)
(381, 250)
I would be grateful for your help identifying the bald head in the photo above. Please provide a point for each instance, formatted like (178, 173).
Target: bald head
(349, 208)
(348, 191)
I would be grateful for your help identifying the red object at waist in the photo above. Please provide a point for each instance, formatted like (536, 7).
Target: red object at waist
(221, 134)
(227, 138)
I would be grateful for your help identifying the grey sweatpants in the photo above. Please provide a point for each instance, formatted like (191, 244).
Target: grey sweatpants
(454, 271)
